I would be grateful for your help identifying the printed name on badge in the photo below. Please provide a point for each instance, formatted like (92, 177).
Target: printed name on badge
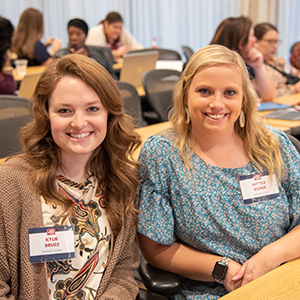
(51, 243)
(256, 188)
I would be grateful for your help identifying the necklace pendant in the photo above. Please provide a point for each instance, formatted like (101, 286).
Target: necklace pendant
(54, 219)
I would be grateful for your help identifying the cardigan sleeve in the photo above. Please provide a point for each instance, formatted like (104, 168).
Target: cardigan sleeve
(121, 284)
(5, 290)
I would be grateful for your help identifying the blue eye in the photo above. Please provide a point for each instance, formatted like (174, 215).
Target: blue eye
(204, 91)
(64, 110)
(231, 92)
(93, 108)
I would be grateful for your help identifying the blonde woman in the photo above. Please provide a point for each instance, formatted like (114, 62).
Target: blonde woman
(75, 173)
(26, 39)
(219, 196)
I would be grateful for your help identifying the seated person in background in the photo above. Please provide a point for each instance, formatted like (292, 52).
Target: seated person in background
(26, 39)
(77, 31)
(238, 34)
(77, 169)
(7, 83)
(197, 206)
(110, 33)
(285, 76)
(295, 55)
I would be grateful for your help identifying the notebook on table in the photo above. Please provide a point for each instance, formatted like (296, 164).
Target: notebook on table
(271, 106)
(28, 84)
(136, 64)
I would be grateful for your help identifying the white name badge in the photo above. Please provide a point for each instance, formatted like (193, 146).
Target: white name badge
(51, 243)
(256, 188)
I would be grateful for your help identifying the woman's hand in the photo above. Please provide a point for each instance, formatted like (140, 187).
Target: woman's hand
(118, 53)
(259, 264)
(229, 284)
(254, 58)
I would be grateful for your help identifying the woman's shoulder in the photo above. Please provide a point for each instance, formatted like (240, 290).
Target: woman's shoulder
(281, 136)
(16, 168)
(162, 139)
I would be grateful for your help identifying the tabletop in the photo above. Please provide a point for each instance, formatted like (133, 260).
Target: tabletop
(281, 283)
(29, 70)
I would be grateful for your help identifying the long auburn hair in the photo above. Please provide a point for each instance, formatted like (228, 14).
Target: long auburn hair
(111, 161)
(260, 144)
(29, 30)
(233, 33)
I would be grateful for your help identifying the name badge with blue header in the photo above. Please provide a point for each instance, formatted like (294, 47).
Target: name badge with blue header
(51, 243)
(256, 188)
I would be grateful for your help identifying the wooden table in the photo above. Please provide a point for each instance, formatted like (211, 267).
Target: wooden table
(293, 125)
(283, 283)
(29, 70)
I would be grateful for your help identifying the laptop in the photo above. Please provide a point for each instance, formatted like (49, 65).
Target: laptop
(290, 114)
(136, 64)
(28, 84)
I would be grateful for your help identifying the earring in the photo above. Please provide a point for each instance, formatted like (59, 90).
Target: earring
(242, 119)
(188, 117)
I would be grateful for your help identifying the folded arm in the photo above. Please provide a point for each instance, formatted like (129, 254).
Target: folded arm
(186, 261)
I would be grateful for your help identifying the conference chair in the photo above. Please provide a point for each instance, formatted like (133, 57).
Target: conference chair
(159, 86)
(159, 281)
(163, 54)
(187, 51)
(132, 103)
(15, 112)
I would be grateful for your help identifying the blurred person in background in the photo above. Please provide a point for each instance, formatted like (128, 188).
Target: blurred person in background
(77, 32)
(238, 34)
(111, 34)
(7, 83)
(284, 75)
(26, 39)
(295, 55)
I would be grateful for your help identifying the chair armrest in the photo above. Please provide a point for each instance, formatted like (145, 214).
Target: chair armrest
(159, 281)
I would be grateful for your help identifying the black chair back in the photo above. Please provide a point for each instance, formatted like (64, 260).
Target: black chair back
(15, 112)
(159, 86)
(187, 51)
(132, 102)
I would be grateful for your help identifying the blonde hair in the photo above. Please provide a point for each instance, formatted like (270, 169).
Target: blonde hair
(260, 144)
(29, 30)
(111, 161)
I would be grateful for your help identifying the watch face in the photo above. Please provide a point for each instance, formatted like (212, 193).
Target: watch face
(219, 271)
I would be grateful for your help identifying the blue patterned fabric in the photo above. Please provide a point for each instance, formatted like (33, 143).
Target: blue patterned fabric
(205, 210)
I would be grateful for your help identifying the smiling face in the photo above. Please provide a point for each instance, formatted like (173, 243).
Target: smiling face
(268, 44)
(214, 100)
(78, 119)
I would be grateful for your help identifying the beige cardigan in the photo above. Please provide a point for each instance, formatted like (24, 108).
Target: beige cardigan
(20, 209)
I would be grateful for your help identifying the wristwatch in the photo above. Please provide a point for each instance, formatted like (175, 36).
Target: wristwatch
(220, 269)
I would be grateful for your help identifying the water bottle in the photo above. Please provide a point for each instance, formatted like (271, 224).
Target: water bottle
(154, 43)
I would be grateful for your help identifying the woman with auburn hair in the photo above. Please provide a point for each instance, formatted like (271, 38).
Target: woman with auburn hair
(285, 76)
(238, 34)
(26, 39)
(75, 180)
(211, 184)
